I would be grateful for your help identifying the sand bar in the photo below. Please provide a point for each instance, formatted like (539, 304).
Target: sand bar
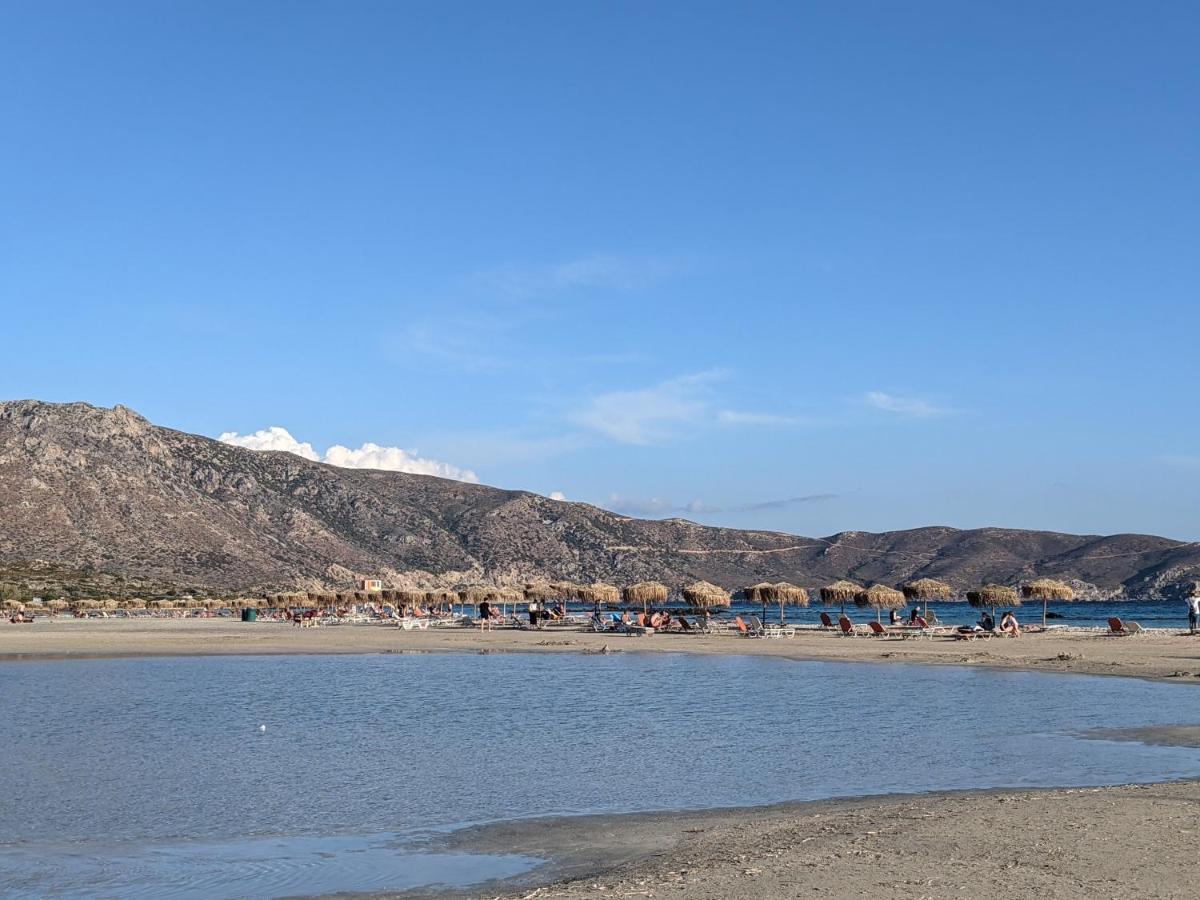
(1172, 655)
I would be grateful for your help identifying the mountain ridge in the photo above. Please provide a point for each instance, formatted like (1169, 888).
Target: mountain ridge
(104, 495)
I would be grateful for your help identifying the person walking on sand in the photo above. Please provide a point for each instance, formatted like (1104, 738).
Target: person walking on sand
(1193, 613)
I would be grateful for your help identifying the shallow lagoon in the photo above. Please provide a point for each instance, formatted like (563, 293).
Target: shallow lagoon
(153, 776)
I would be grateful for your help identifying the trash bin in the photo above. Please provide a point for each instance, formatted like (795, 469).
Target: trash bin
(249, 614)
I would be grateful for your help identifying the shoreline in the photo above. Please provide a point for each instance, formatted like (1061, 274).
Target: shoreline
(1170, 657)
(988, 844)
(744, 852)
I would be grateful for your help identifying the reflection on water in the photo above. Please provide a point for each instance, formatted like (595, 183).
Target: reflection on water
(154, 775)
(213, 870)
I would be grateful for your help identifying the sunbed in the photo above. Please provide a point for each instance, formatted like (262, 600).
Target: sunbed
(746, 630)
(1117, 628)
(779, 631)
(849, 629)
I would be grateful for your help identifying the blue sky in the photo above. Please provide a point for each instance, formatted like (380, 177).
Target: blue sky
(797, 266)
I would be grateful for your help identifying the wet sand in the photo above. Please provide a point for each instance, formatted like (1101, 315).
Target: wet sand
(1172, 655)
(1129, 841)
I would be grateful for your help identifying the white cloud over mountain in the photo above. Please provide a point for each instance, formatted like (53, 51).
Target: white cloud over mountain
(368, 456)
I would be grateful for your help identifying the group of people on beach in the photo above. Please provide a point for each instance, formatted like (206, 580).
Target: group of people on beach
(1008, 622)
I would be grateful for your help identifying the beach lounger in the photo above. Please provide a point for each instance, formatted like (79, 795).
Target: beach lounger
(849, 629)
(779, 631)
(827, 622)
(970, 634)
(744, 630)
(755, 624)
(1117, 628)
(878, 630)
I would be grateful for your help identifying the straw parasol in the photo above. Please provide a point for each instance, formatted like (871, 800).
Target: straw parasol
(705, 595)
(539, 591)
(475, 594)
(567, 590)
(880, 597)
(1047, 589)
(12, 603)
(839, 592)
(925, 589)
(599, 592)
(993, 595)
(645, 593)
(57, 605)
(786, 594)
(758, 593)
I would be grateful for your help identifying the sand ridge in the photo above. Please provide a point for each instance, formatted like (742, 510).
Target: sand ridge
(1167, 654)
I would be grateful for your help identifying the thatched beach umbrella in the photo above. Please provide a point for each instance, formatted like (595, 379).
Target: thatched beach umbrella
(786, 594)
(539, 591)
(599, 592)
(925, 589)
(993, 595)
(645, 593)
(567, 590)
(880, 597)
(1047, 589)
(758, 593)
(705, 595)
(839, 592)
(58, 604)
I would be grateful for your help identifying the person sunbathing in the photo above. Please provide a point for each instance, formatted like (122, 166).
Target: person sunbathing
(1009, 624)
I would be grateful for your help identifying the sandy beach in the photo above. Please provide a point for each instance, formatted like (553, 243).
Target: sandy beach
(1127, 841)
(1174, 655)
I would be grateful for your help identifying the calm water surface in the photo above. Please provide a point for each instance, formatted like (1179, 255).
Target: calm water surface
(152, 777)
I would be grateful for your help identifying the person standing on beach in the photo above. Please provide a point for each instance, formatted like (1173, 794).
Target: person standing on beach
(1193, 613)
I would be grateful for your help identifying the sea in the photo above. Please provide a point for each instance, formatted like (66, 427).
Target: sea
(215, 777)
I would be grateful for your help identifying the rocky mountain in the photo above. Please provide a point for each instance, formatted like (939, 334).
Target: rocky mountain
(104, 499)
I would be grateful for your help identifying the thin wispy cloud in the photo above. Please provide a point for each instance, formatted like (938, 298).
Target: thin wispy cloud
(738, 417)
(650, 415)
(467, 340)
(368, 456)
(913, 407)
(656, 507)
(599, 271)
